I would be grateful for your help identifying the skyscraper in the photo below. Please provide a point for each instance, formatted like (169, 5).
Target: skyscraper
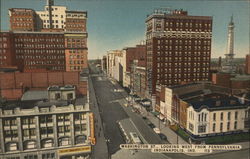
(178, 48)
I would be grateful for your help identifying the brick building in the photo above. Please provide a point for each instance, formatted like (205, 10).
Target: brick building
(76, 21)
(129, 55)
(13, 85)
(6, 50)
(35, 51)
(22, 19)
(76, 51)
(40, 50)
(178, 48)
(248, 64)
(237, 83)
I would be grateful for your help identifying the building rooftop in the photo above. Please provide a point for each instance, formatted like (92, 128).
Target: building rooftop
(217, 101)
(35, 95)
(183, 85)
(241, 78)
(61, 88)
(29, 104)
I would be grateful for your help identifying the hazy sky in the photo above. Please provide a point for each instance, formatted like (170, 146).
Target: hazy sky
(115, 24)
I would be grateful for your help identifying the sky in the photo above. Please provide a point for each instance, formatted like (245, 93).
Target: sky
(115, 24)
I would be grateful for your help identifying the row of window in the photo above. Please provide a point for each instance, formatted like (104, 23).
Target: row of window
(76, 62)
(53, 15)
(22, 19)
(41, 52)
(27, 145)
(39, 46)
(46, 38)
(169, 82)
(228, 126)
(161, 47)
(228, 116)
(176, 53)
(78, 68)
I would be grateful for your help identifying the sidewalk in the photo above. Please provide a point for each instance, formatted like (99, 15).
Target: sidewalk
(173, 138)
(100, 149)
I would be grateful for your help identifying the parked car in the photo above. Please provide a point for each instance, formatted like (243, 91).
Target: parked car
(157, 130)
(162, 136)
(151, 125)
(145, 118)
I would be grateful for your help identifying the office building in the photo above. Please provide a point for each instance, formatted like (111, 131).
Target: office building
(178, 48)
(22, 19)
(46, 124)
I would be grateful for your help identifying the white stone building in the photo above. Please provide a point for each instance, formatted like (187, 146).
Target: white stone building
(46, 128)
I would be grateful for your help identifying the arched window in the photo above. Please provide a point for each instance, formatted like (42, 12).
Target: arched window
(12, 146)
(80, 139)
(47, 143)
(29, 145)
(64, 141)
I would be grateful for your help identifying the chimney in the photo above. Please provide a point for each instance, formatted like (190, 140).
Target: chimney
(218, 103)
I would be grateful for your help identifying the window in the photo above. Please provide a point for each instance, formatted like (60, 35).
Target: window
(235, 125)
(201, 128)
(228, 115)
(221, 116)
(214, 116)
(236, 115)
(64, 141)
(57, 95)
(46, 119)
(221, 126)
(11, 146)
(214, 126)
(47, 143)
(191, 126)
(228, 125)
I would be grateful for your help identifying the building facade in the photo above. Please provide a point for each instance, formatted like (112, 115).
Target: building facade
(218, 118)
(47, 129)
(76, 51)
(129, 55)
(6, 50)
(178, 48)
(111, 55)
(54, 20)
(22, 19)
(247, 65)
(39, 50)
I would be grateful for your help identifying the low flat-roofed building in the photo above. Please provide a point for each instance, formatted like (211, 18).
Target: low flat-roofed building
(39, 126)
(217, 114)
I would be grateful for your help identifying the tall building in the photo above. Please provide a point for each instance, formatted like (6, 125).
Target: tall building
(46, 125)
(76, 51)
(33, 50)
(33, 47)
(178, 48)
(248, 64)
(111, 56)
(6, 50)
(22, 19)
(228, 66)
(129, 55)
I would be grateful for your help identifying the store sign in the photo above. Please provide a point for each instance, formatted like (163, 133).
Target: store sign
(82, 149)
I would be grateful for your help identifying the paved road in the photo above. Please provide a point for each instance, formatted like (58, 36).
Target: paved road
(111, 111)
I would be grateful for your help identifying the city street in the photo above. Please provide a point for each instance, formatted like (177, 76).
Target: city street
(111, 110)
